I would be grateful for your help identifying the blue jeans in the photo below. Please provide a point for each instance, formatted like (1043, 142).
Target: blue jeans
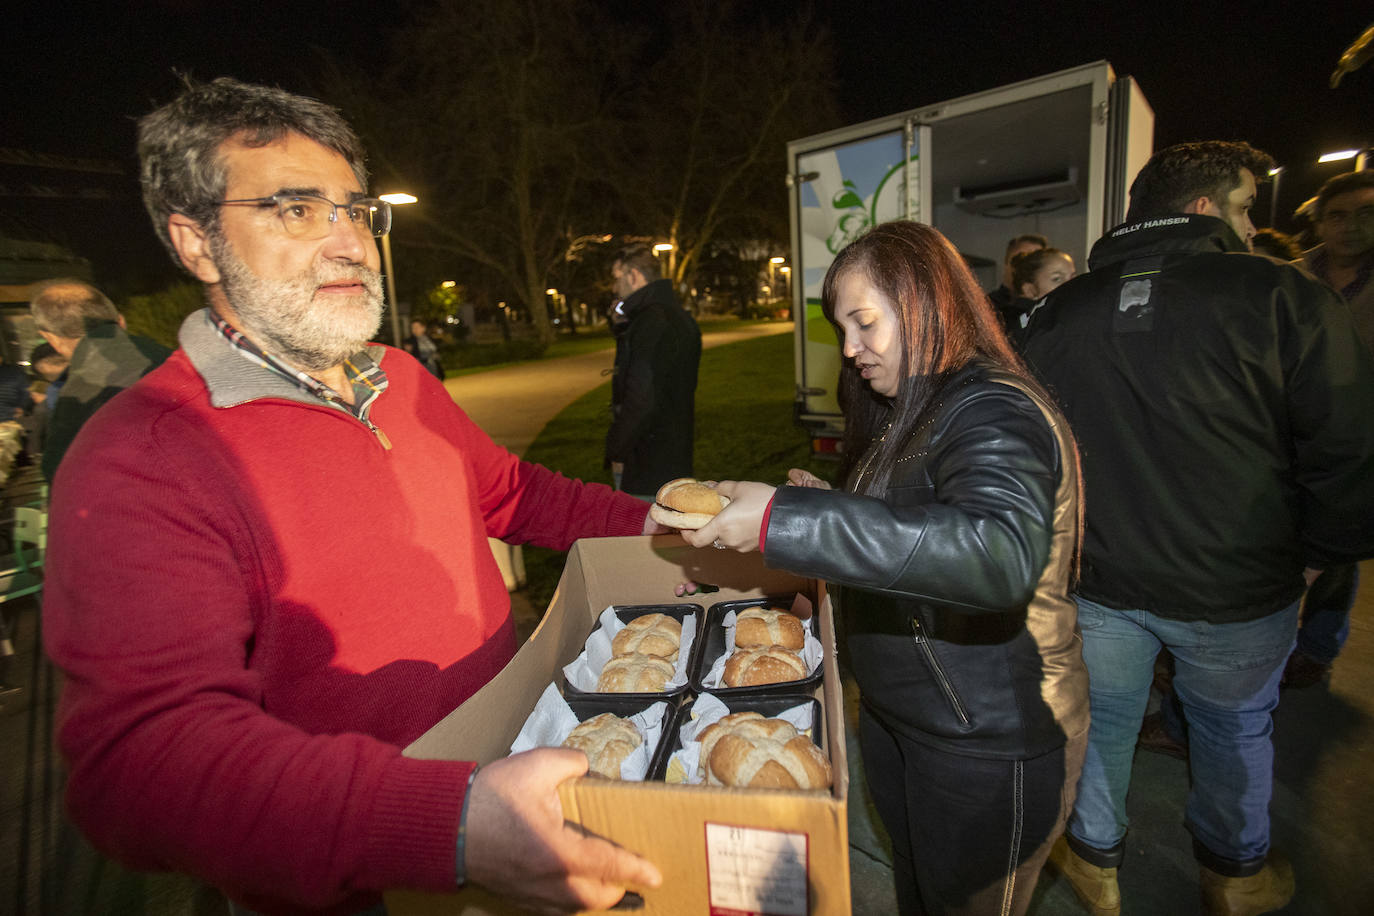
(1226, 678)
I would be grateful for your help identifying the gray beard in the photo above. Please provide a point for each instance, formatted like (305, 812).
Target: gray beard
(283, 318)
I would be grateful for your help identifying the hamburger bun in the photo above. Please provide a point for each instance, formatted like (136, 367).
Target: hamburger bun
(636, 673)
(686, 503)
(748, 750)
(760, 627)
(757, 667)
(606, 740)
(652, 634)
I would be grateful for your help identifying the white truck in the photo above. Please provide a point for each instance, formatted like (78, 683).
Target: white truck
(1053, 155)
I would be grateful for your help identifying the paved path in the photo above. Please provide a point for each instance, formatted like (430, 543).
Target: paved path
(514, 403)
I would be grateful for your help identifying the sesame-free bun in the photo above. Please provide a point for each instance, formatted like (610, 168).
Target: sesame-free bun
(606, 740)
(686, 503)
(635, 673)
(765, 665)
(746, 750)
(652, 634)
(760, 627)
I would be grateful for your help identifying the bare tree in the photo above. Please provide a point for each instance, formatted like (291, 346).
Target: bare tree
(526, 127)
(500, 115)
(724, 100)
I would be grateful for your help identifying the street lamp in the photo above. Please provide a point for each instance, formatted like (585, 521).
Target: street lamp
(773, 263)
(1275, 173)
(1339, 155)
(668, 247)
(396, 199)
(1361, 157)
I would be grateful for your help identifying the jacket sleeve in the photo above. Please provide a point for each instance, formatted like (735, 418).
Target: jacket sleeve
(639, 396)
(173, 761)
(1329, 386)
(976, 536)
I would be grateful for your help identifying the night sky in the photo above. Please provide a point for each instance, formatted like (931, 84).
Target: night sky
(78, 75)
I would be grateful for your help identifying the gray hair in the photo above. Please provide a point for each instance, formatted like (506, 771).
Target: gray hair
(65, 307)
(179, 144)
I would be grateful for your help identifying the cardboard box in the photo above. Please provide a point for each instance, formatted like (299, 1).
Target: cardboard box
(714, 846)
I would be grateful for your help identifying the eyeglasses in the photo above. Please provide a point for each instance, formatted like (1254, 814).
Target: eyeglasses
(308, 217)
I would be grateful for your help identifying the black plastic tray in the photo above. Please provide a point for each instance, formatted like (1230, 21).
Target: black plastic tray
(626, 613)
(712, 646)
(589, 706)
(765, 704)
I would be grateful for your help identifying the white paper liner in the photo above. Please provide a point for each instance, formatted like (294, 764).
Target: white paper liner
(714, 678)
(585, 670)
(684, 762)
(552, 720)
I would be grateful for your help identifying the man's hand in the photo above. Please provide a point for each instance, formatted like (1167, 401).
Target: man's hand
(738, 524)
(1309, 575)
(520, 848)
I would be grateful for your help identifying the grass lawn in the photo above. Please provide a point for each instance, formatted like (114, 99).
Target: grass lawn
(744, 431)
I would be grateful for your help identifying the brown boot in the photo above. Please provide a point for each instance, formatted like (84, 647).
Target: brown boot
(1095, 887)
(1267, 890)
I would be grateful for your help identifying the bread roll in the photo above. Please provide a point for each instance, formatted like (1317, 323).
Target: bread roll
(756, 627)
(686, 503)
(606, 740)
(637, 673)
(652, 634)
(746, 750)
(727, 723)
(771, 665)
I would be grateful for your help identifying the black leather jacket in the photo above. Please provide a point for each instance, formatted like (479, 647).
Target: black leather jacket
(1225, 411)
(953, 588)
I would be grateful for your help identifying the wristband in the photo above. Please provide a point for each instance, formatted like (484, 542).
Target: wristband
(460, 859)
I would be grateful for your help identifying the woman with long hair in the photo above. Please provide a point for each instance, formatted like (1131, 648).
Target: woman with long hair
(949, 549)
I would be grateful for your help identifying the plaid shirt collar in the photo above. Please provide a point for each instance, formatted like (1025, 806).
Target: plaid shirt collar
(366, 377)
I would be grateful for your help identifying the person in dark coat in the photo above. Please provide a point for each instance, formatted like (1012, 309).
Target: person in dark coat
(653, 390)
(949, 551)
(420, 346)
(1004, 297)
(82, 324)
(1225, 409)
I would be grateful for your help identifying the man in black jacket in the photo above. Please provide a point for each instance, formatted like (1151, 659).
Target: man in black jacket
(1225, 411)
(653, 391)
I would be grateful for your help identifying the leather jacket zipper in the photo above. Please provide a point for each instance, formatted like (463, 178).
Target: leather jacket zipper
(927, 650)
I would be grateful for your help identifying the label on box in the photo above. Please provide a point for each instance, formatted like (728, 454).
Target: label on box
(752, 872)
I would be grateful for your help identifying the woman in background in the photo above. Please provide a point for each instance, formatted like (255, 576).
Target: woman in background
(1035, 274)
(950, 552)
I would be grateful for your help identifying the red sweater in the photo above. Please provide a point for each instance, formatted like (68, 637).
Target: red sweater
(256, 607)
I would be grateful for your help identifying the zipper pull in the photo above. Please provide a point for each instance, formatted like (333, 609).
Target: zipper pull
(381, 436)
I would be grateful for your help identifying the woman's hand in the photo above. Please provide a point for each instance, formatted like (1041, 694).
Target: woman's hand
(798, 477)
(738, 524)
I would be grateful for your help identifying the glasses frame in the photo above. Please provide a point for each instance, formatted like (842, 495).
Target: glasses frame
(381, 208)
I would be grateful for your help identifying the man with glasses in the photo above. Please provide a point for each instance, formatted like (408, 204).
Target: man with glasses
(269, 568)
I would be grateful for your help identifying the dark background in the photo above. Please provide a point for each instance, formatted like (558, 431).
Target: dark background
(77, 76)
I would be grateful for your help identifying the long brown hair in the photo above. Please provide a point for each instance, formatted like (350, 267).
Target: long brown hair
(945, 322)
